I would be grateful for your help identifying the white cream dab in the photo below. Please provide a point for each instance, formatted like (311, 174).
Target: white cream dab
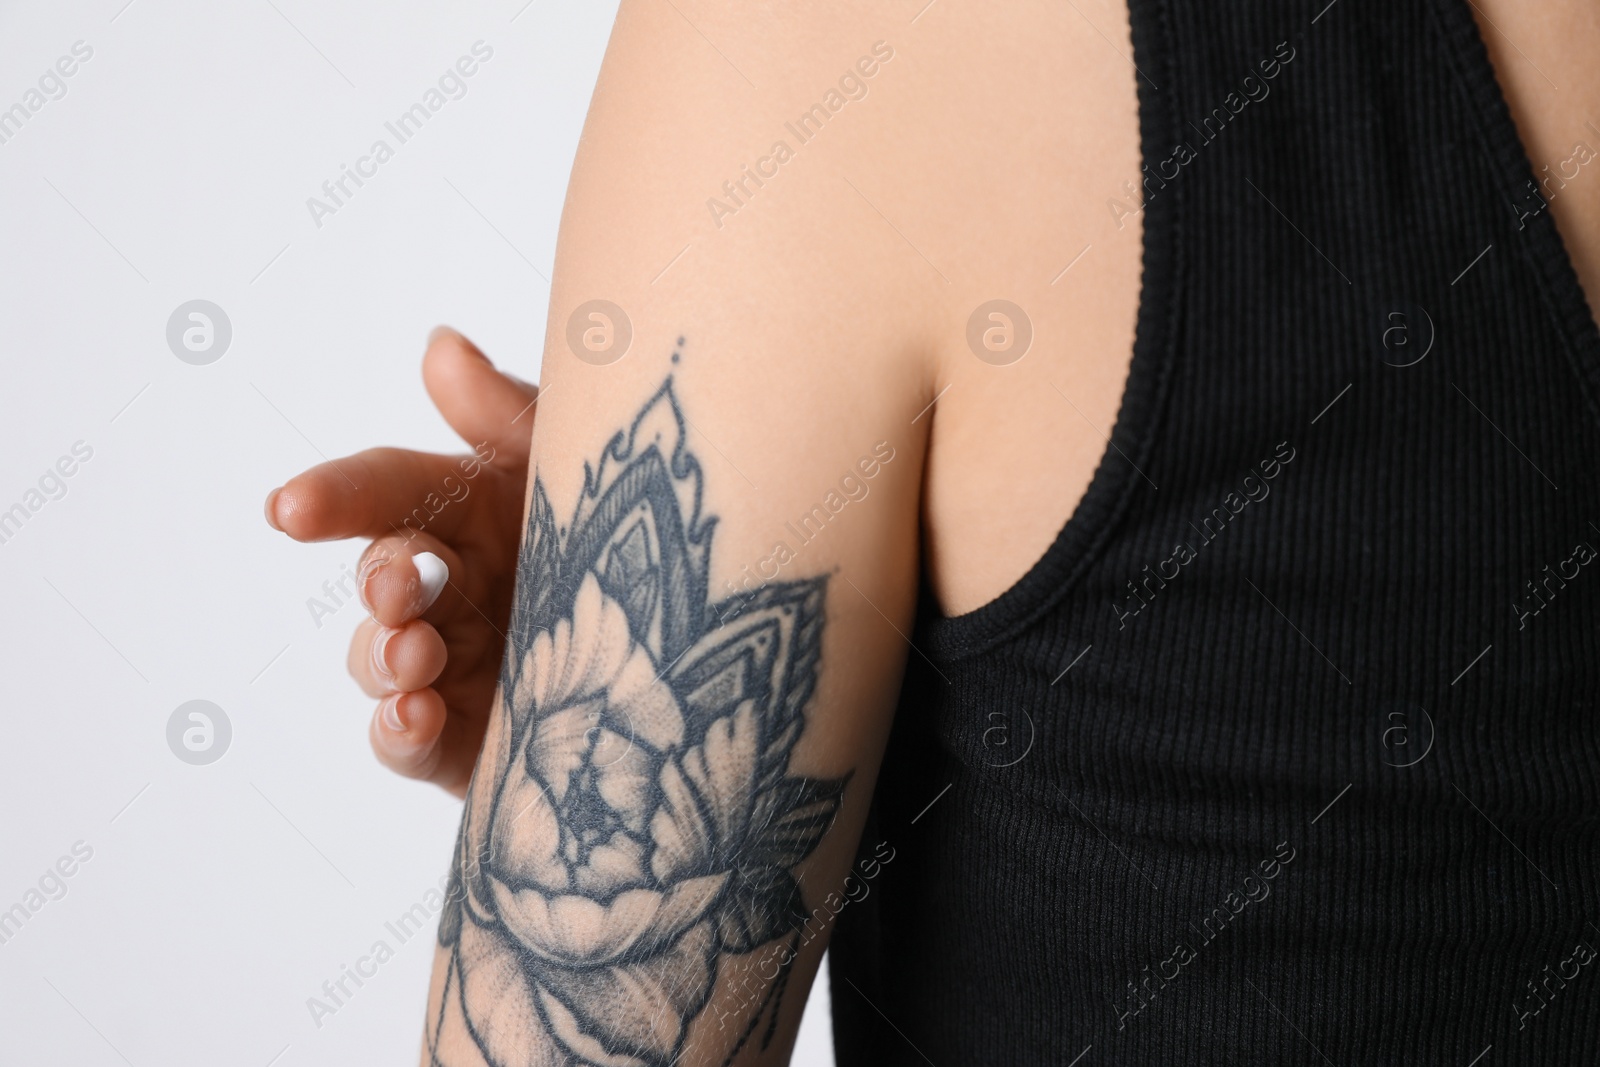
(433, 573)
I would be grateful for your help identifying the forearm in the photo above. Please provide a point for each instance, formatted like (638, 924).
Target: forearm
(654, 790)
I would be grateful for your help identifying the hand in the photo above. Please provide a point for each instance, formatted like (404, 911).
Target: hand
(434, 662)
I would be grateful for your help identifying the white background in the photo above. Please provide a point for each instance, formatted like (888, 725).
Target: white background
(177, 166)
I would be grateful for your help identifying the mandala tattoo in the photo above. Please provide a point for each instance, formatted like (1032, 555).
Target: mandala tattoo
(632, 822)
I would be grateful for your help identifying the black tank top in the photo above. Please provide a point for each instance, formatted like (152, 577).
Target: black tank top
(1287, 751)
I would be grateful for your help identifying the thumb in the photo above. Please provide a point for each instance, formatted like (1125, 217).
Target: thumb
(480, 403)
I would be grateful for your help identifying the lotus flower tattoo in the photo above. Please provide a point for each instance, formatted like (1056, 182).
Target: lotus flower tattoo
(632, 820)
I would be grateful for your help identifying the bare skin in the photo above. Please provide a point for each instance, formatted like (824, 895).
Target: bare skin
(1543, 57)
(821, 311)
(982, 530)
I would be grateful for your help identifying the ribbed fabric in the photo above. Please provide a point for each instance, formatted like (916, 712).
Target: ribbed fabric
(1114, 776)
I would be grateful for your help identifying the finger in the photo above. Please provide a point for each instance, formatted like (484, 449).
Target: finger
(395, 588)
(385, 660)
(375, 492)
(492, 411)
(415, 735)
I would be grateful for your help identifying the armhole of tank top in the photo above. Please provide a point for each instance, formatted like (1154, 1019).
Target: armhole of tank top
(1511, 167)
(1116, 479)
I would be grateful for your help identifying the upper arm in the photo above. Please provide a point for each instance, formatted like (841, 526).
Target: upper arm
(719, 563)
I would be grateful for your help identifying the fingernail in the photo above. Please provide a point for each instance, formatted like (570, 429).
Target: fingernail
(380, 654)
(433, 573)
(271, 509)
(439, 332)
(389, 713)
(368, 570)
(449, 331)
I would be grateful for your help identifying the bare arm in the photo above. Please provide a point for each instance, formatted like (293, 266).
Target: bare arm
(718, 563)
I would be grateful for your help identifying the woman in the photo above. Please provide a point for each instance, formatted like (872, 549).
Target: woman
(1103, 533)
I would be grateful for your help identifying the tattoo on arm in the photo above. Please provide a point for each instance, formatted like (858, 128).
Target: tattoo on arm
(632, 823)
